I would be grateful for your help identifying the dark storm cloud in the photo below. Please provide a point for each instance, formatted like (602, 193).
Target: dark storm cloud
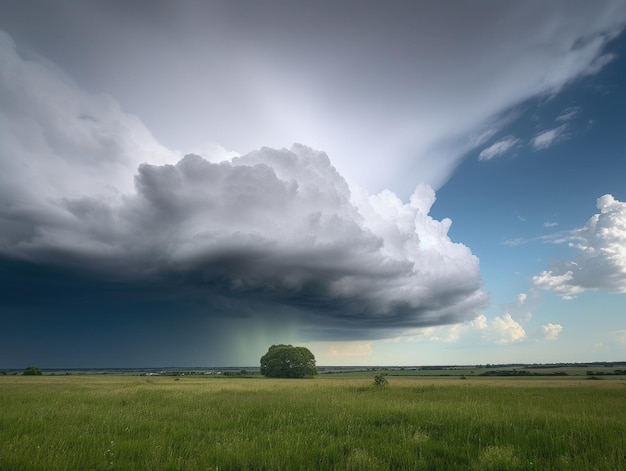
(283, 232)
(276, 229)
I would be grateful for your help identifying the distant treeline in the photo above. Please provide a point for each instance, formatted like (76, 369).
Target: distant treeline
(520, 373)
(554, 373)
(601, 373)
(597, 364)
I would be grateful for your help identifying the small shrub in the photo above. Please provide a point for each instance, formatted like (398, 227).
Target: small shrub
(380, 381)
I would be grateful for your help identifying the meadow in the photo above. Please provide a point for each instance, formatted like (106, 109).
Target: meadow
(334, 422)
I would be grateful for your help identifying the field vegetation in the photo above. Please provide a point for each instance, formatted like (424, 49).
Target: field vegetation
(338, 421)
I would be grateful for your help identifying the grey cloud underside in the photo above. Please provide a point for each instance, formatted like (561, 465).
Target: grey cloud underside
(262, 279)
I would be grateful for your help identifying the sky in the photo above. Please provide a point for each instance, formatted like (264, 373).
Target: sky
(415, 183)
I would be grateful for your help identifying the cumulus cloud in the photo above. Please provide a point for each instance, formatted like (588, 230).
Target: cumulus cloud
(560, 284)
(551, 331)
(513, 326)
(86, 188)
(498, 148)
(601, 255)
(546, 139)
(500, 330)
(505, 330)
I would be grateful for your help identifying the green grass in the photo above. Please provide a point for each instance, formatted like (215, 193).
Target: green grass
(165, 423)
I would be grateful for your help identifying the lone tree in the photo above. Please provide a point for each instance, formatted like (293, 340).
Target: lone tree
(287, 361)
(32, 371)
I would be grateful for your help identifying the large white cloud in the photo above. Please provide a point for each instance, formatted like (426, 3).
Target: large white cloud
(85, 187)
(601, 255)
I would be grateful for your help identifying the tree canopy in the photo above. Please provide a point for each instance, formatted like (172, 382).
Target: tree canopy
(32, 371)
(287, 361)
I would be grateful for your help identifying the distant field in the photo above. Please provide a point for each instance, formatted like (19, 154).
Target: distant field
(338, 421)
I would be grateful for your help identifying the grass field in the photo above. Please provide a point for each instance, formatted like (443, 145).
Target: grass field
(331, 422)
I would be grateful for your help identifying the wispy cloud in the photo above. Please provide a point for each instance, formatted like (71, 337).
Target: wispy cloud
(559, 237)
(483, 137)
(550, 224)
(546, 139)
(498, 148)
(598, 64)
(569, 113)
(514, 242)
